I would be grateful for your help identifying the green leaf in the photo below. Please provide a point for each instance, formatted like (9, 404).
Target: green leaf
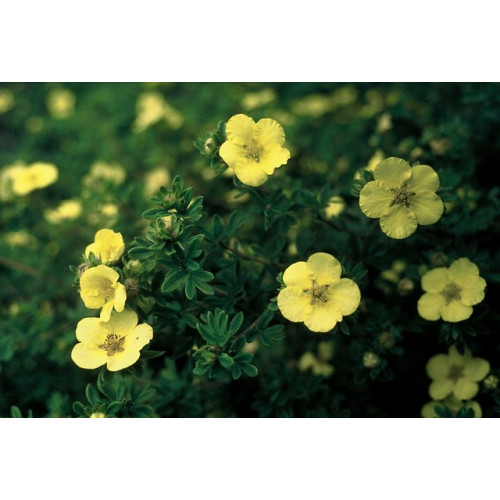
(226, 361)
(236, 323)
(15, 412)
(174, 280)
(78, 408)
(243, 357)
(190, 288)
(236, 372)
(92, 395)
(250, 370)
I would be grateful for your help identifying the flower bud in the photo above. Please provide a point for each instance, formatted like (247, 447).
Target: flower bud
(370, 360)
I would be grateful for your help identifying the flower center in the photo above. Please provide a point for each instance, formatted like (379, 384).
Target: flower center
(402, 196)
(254, 150)
(455, 372)
(113, 344)
(451, 292)
(318, 293)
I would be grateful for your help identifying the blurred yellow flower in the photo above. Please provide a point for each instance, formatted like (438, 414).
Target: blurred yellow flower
(375, 159)
(451, 291)
(155, 179)
(254, 150)
(108, 246)
(24, 179)
(102, 171)
(7, 100)
(19, 238)
(151, 108)
(115, 343)
(98, 414)
(336, 205)
(370, 360)
(453, 404)
(402, 197)
(253, 100)
(99, 287)
(456, 374)
(67, 210)
(315, 294)
(61, 103)
(318, 364)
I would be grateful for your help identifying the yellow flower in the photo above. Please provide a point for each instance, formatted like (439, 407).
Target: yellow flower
(370, 359)
(98, 414)
(451, 291)
(99, 287)
(456, 374)
(252, 149)
(315, 294)
(402, 197)
(154, 180)
(60, 103)
(101, 171)
(151, 108)
(318, 364)
(254, 100)
(7, 100)
(24, 179)
(336, 205)
(115, 343)
(67, 210)
(453, 404)
(108, 246)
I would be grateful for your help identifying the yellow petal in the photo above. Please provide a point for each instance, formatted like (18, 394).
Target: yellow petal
(455, 311)
(435, 280)
(120, 297)
(439, 389)
(141, 336)
(326, 269)
(232, 153)
(123, 323)
(375, 199)
(89, 331)
(456, 358)
(464, 272)
(345, 295)
(273, 157)
(106, 311)
(240, 129)
(293, 302)
(429, 306)
(428, 410)
(465, 389)
(476, 369)
(322, 318)
(88, 357)
(427, 206)
(399, 224)
(122, 360)
(473, 293)
(250, 172)
(268, 131)
(298, 274)
(438, 366)
(422, 178)
(392, 171)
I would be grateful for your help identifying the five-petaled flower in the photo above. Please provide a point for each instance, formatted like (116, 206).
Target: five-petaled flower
(315, 294)
(108, 246)
(402, 197)
(456, 374)
(99, 287)
(453, 404)
(451, 291)
(254, 150)
(115, 343)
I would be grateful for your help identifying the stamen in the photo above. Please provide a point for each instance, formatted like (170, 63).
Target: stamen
(318, 293)
(254, 151)
(402, 196)
(451, 292)
(113, 344)
(456, 372)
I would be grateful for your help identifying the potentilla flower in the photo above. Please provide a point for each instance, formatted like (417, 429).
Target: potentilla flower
(99, 287)
(254, 150)
(108, 246)
(456, 374)
(453, 404)
(315, 294)
(115, 343)
(37, 176)
(402, 197)
(451, 291)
